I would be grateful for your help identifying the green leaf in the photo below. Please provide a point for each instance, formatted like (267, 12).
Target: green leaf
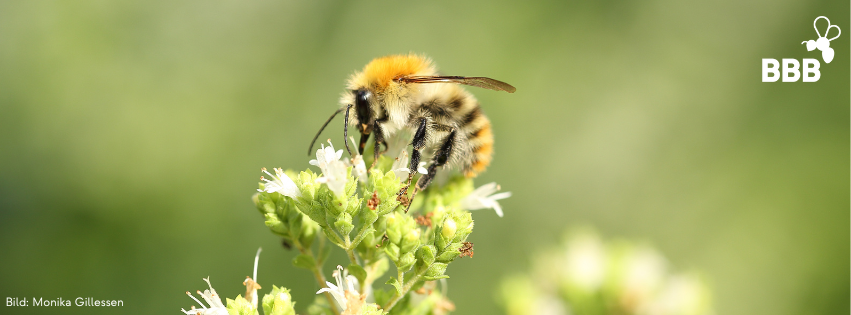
(314, 210)
(449, 253)
(304, 261)
(392, 251)
(426, 254)
(436, 270)
(358, 272)
(331, 236)
(366, 235)
(396, 284)
(435, 278)
(382, 296)
(368, 216)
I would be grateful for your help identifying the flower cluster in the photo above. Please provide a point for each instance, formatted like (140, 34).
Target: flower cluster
(277, 302)
(345, 204)
(588, 276)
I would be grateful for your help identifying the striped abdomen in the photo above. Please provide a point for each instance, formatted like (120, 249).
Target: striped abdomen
(477, 129)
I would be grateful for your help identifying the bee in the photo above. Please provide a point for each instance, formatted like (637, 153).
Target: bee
(405, 93)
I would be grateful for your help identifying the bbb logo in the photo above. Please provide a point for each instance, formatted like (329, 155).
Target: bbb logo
(771, 70)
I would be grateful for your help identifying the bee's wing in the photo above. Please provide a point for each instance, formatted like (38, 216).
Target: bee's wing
(481, 82)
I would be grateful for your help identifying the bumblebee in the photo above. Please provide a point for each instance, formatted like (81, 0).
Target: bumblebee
(405, 93)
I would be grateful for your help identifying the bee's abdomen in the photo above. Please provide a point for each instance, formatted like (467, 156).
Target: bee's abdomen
(477, 127)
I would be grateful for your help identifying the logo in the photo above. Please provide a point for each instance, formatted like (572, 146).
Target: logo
(771, 68)
(822, 43)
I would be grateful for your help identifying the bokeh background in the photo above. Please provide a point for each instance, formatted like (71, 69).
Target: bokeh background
(132, 134)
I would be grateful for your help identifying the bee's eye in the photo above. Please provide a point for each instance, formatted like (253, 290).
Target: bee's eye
(362, 105)
(361, 94)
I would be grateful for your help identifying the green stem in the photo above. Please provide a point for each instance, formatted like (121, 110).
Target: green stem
(362, 232)
(317, 272)
(336, 238)
(350, 250)
(405, 288)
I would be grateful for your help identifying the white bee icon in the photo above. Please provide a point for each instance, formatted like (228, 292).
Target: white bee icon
(822, 43)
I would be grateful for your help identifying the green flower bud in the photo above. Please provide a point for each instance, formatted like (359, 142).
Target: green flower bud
(241, 306)
(278, 302)
(308, 231)
(371, 309)
(406, 261)
(275, 224)
(314, 210)
(385, 186)
(306, 182)
(411, 241)
(448, 230)
(262, 202)
(392, 251)
(344, 223)
(394, 228)
(463, 223)
(426, 254)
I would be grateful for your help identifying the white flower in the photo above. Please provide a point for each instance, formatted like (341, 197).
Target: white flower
(334, 171)
(481, 198)
(358, 167)
(345, 284)
(399, 168)
(326, 155)
(335, 176)
(280, 183)
(216, 306)
(421, 168)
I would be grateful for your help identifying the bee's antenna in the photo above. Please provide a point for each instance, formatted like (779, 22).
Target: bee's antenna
(309, 150)
(346, 130)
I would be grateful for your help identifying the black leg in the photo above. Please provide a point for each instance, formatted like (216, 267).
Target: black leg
(417, 143)
(379, 140)
(440, 158)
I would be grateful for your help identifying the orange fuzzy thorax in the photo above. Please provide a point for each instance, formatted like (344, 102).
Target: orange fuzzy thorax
(380, 72)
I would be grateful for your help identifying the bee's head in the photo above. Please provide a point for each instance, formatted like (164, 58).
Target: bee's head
(363, 114)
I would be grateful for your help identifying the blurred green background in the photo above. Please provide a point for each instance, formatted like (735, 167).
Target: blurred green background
(132, 135)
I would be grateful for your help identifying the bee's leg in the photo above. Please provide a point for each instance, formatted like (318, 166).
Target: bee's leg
(440, 158)
(379, 140)
(417, 144)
